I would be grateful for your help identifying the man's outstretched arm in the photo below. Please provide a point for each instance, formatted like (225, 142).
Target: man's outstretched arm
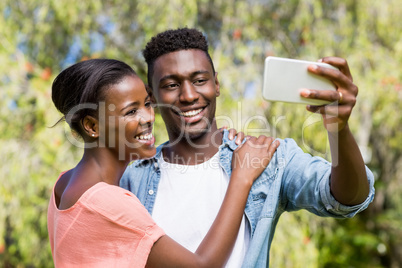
(349, 184)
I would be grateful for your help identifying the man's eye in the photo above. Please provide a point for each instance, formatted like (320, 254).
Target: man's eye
(200, 81)
(171, 86)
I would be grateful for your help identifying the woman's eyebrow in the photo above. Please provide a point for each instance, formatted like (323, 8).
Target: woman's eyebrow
(130, 104)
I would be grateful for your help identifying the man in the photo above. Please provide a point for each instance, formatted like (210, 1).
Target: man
(183, 185)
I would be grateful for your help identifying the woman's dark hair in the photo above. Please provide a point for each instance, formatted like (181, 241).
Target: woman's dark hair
(77, 90)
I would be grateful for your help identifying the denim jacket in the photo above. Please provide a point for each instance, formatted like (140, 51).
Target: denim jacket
(293, 180)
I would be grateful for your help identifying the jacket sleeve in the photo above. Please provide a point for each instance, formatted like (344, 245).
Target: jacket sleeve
(306, 184)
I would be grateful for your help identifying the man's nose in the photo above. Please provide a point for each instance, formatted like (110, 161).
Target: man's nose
(188, 92)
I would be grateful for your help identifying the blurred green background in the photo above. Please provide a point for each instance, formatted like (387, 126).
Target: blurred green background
(40, 38)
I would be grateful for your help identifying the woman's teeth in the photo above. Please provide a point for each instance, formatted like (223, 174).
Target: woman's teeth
(144, 137)
(191, 113)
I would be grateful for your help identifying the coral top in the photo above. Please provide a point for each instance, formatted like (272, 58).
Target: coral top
(107, 227)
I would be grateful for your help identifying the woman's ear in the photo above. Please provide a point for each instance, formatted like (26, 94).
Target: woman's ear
(90, 126)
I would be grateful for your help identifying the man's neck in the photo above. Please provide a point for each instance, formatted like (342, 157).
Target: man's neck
(193, 151)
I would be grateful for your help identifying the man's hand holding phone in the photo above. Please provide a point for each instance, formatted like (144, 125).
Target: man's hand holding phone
(336, 114)
(325, 86)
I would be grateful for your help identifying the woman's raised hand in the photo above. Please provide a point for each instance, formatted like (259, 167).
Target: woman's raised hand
(253, 156)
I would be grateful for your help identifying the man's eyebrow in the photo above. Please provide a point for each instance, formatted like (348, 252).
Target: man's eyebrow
(174, 76)
(169, 76)
(199, 72)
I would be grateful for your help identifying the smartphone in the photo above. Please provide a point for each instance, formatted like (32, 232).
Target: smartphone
(283, 78)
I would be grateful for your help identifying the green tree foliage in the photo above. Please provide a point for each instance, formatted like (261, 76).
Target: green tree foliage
(40, 38)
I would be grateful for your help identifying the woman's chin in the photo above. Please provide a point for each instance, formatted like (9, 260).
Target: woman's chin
(142, 154)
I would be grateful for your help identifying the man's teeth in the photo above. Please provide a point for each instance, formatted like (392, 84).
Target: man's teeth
(191, 113)
(144, 137)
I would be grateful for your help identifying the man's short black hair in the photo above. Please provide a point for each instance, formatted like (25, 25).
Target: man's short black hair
(171, 41)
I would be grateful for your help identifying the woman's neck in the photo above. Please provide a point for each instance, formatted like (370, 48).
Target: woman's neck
(104, 163)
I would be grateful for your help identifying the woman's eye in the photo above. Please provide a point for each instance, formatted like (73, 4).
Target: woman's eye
(148, 104)
(131, 112)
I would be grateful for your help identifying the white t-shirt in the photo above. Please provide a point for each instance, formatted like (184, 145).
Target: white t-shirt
(188, 200)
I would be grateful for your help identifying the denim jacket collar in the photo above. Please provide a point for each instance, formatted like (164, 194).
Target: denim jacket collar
(226, 142)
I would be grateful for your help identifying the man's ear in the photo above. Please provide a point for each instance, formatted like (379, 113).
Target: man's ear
(217, 85)
(151, 94)
(90, 125)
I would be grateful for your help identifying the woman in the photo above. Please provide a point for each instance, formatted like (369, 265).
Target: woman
(94, 223)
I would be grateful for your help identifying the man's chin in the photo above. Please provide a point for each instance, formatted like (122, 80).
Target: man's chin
(194, 133)
(190, 132)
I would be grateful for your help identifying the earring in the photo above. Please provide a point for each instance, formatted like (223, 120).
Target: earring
(93, 135)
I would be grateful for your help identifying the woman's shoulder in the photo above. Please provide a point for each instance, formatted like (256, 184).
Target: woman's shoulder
(117, 205)
(70, 189)
(61, 185)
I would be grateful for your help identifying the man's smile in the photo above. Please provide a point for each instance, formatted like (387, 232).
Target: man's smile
(191, 115)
